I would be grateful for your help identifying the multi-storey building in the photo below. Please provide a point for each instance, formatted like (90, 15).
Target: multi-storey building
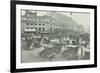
(32, 23)
(47, 23)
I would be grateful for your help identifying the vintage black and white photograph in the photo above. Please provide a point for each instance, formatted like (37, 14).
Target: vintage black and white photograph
(54, 36)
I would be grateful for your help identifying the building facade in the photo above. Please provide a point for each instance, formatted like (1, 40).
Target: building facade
(32, 23)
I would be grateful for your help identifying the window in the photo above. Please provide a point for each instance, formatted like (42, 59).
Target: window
(32, 27)
(39, 28)
(43, 24)
(39, 24)
(35, 28)
(50, 28)
(31, 23)
(43, 28)
(35, 24)
(27, 23)
(27, 27)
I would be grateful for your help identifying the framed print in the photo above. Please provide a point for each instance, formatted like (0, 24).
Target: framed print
(52, 36)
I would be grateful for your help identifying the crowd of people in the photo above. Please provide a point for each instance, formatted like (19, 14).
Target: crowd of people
(71, 45)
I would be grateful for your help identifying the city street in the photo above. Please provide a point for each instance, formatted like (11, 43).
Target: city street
(33, 56)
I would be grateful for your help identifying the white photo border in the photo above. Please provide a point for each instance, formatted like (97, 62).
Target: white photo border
(20, 65)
